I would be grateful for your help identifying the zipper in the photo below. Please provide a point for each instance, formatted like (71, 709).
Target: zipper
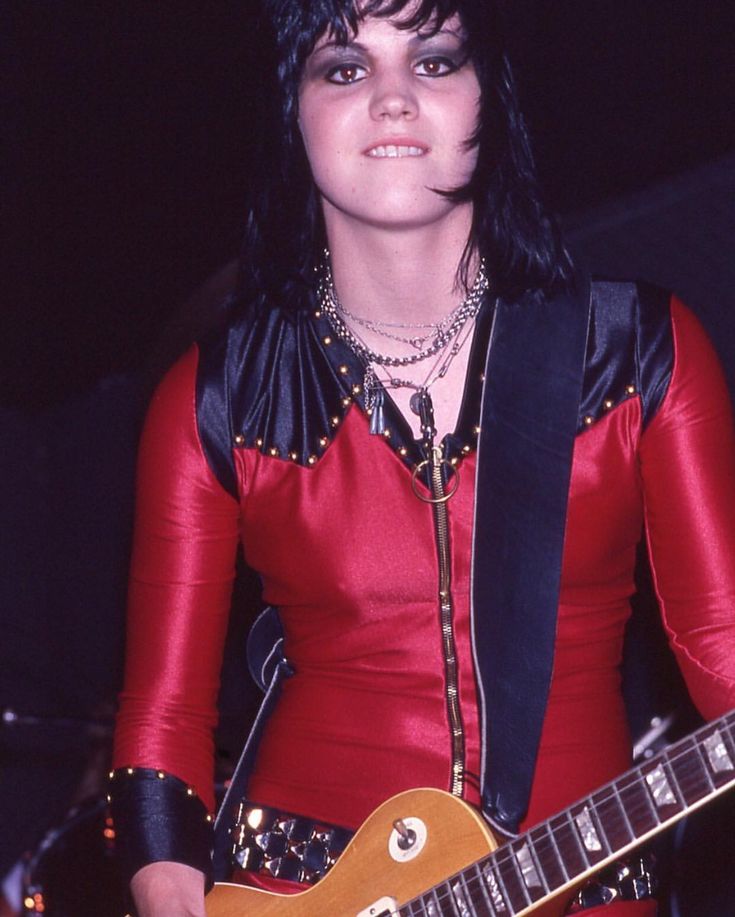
(446, 608)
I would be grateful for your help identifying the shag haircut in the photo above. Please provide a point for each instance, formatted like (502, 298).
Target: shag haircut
(285, 237)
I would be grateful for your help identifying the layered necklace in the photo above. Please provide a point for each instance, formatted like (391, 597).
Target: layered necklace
(427, 339)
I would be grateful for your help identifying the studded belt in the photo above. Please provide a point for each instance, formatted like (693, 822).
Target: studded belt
(285, 846)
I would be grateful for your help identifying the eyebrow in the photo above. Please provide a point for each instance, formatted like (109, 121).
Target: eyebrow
(417, 39)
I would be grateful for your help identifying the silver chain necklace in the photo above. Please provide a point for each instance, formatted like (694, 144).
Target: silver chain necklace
(442, 333)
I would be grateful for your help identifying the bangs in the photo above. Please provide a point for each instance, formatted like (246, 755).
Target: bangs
(299, 25)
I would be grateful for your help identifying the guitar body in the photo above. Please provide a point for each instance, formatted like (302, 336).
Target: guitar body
(373, 877)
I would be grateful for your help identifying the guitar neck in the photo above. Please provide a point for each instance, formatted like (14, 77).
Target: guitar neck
(593, 832)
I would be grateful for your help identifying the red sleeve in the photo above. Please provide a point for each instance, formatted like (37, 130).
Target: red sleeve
(688, 469)
(184, 548)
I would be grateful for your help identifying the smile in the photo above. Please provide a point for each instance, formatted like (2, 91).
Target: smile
(393, 151)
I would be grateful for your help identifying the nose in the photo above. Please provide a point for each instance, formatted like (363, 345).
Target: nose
(393, 100)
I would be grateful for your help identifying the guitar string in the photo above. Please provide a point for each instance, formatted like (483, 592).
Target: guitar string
(689, 779)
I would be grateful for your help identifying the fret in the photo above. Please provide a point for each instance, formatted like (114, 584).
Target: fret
(538, 869)
(496, 889)
(638, 803)
(464, 897)
(569, 845)
(445, 900)
(433, 905)
(532, 878)
(686, 772)
(484, 905)
(512, 879)
(663, 789)
(719, 757)
(706, 767)
(726, 730)
(593, 840)
(611, 817)
(548, 856)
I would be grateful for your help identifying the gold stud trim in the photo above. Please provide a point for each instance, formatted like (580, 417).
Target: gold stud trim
(190, 791)
(273, 451)
(630, 389)
(294, 456)
(344, 369)
(608, 404)
(466, 449)
(402, 450)
(589, 420)
(356, 389)
(239, 439)
(312, 460)
(346, 402)
(318, 313)
(160, 775)
(324, 442)
(130, 771)
(259, 443)
(476, 430)
(335, 421)
(327, 340)
(386, 433)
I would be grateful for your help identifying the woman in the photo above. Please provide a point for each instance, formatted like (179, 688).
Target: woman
(451, 619)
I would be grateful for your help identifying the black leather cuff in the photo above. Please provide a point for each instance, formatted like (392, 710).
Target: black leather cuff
(158, 818)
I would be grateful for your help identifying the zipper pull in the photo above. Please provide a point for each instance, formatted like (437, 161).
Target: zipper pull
(426, 417)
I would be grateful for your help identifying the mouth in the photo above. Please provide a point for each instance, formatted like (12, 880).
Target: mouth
(396, 151)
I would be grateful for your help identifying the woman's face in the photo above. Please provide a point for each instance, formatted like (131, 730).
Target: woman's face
(385, 120)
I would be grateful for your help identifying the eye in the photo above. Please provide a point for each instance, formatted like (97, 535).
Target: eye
(436, 66)
(344, 74)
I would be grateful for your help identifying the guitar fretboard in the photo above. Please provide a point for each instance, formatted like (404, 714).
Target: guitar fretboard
(592, 832)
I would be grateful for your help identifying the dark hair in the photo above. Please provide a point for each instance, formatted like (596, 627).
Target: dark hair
(285, 234)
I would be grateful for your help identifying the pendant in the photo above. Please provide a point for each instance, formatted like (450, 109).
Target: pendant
(415, 403)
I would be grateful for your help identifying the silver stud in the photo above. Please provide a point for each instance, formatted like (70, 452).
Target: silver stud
(130, 771)
(608, 404)
(402, 450)
(318, 313)
(386, 433)
(589, 420)
(239, 439)
(346, 402)
(312, 460)
(294, 456)
(161, 775)
(323, 442)
(273, 451)
(327, 340)
(259, 443)
(335, 421)
(111, 775)
(344, 369)
(466, 449)
(190, 791)
(630, 389)
(454, 460)
(356, 389)
(476, 430)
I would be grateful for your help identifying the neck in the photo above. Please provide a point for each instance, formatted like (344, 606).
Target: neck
(406, 274)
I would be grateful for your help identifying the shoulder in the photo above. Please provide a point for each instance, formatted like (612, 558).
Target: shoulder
(267, 383)
(630, 350)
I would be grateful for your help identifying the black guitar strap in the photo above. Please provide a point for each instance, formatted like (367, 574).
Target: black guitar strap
(529, 416)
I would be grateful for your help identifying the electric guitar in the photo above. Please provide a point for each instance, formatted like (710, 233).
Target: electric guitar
(427, 853)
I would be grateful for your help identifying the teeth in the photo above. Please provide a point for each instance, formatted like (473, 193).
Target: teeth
(395, 152)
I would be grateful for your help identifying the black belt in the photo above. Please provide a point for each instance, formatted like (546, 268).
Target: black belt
(285, 846)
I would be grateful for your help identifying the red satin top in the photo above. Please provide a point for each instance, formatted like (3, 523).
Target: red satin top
(347, 553)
